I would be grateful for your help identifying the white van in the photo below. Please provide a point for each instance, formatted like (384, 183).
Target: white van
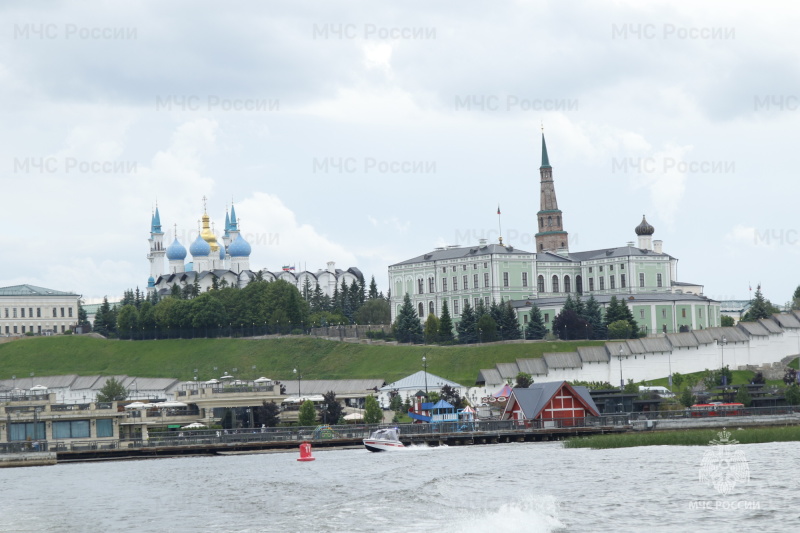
(661, 391)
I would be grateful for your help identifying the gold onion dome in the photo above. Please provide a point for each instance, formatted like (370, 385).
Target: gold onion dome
(208, 235)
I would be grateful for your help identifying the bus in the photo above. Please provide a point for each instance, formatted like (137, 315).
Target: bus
(717, 409)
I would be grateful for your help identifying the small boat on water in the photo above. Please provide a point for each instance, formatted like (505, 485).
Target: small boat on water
(383, 440)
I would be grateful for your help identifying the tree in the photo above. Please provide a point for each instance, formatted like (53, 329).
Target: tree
(523, 380)
(112, 391)
(374, 311)
(487, 328)
(687, 398)
(83, 319)
(568, 325)
(147, 320)
(451, 396)
(792, 394)
(743, 396)
(372, 411)
(727, 321)
(268, 414)
(308, 415)
(406, 326)
(431, 329)
(445, 324)
(373, 289)
(760, 307)
(467, 333)
(593, 314)
(619, 329)
(307, 292)
(677, 379)
(175, 292)
(332, 410)
(535, 329)
(128, 321)
(795, 303)
(511, 329)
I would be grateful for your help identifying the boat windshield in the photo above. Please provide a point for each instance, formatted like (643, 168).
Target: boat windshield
(385, 434)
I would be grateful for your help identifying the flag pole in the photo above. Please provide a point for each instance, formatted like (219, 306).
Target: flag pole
(499, 224)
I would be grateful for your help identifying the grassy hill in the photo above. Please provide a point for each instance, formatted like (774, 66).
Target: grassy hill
(274, 358)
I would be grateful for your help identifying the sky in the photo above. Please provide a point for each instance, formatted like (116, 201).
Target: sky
(367, 133)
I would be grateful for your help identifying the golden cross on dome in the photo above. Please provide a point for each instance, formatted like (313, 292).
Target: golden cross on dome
(204, 204)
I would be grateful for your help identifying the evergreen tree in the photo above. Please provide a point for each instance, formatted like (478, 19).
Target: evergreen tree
(332, 410)
(105, 320)
(186, 292)
(307, 415)
(83, 319)
(431, 329)
(511, 327)
(373, 289)
(593, 314)
(612, 312)
(467, 334)
(487, 328)
(147, 320)
(214, 282)
(175, 292)
(362, 292)
(195, 292)
(626, 314)
(407, 327)
(479, 310)
(569, 304)
(307, 293)
(316, 300)
(137, 300)
(795, 303)
(355, 296)
(336, 301)
(580, 308)
(760, 307)
(535, 329)
(445, 324)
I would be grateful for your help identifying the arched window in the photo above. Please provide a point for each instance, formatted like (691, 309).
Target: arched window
(555, 283)
(430, 308)
(421, 310)
(567, 284)
(541, 222)
(540, 284)
(549, 221)
(541, 247)
(420, 286)
(431, 288)
(579, 284)
(558, 222)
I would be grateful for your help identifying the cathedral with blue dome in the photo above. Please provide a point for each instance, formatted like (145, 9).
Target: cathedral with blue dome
(226, 260)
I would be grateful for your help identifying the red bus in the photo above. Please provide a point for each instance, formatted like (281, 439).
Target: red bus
(717, 409)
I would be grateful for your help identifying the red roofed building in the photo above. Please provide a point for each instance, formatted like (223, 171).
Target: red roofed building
(555, 403)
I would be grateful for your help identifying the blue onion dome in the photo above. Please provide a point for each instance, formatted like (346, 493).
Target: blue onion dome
(239, 248)
(644, 228)
(176, 251)
(200, 247)
(151, 282)
(221, 251)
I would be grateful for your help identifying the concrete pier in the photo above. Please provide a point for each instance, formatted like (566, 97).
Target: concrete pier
(27, 459)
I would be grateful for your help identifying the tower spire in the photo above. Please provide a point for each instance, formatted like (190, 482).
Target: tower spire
(551, 235)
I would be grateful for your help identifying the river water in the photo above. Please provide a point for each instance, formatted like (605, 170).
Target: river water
(505, 488)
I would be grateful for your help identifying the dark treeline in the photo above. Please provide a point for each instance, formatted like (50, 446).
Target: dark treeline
(260, 308)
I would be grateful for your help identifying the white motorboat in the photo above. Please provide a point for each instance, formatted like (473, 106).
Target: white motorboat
(384, 440)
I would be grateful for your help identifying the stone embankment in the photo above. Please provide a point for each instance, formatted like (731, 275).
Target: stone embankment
(27, 459)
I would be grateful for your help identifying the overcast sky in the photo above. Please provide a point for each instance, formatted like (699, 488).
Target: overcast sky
(367, 133)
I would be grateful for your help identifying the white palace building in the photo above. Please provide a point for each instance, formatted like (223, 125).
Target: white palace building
(227, 260)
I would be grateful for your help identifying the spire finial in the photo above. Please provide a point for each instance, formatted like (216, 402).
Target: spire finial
(205, 210)
(175, 230)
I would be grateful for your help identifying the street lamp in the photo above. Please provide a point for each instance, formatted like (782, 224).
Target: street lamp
(425, 367)
(299, 378)
(621, 382)
(722, 344)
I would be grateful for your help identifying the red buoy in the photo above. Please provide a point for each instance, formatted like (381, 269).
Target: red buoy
(305, 452)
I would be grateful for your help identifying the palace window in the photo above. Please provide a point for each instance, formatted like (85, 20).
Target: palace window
(430, 308)
(555, 283)
(683, 313)
(455, 283)
(444, 270)
(590, 270)
(55, 312)
(591, 284)
(475, 302)
(611, 267)
(6, 312)
(22, 310)
(663, 313)
(547, 318)
(486, 300)
(62, 312)
(611, 282)
(431, 287)
(38, 312)
(524, 279)
(641, 313)
(70, 312)
(567, 284)
(622, 281)
(641, 279)
(420, 286)
(421, 310)
(658, 280)
(463, 267)
(475, 281)
(525, 318)
(622, 266)
(454, 268)
(15, 312)
(602, 283)
(444, 284)
(485, 279)
(601, 268)
(540, 283)
(466, 282)
(466, 303)
(474, 266)
(486, 265)
(455, 306)
(505, 279)
(579, 284)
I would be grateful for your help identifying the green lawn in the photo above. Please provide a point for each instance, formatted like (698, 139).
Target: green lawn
(691, 437)
(274, 358)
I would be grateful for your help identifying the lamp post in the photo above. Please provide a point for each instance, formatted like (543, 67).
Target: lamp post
(299, 378)
(722, 344)
(425, 371)
(621, 381)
